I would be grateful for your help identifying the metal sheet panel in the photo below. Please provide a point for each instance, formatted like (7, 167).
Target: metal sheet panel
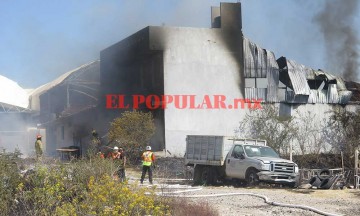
(249, 62)
(291, 97)
(255, 93)
(297, 76)
(340, 84)
(328, 75)
(310, 73)
(344, 97)
(322, 96)
(313, 96)
(257, 61)
(272, 78)
(332, 94)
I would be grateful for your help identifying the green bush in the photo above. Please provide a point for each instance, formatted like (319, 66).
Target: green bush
(132, 131)
(83, 187)
(9, 180)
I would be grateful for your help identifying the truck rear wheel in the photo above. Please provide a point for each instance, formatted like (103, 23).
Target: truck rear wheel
(252, 178)
(208, 176)
(197, 174)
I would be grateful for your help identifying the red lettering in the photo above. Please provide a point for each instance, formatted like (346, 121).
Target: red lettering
(121, 103)
(219, 101)
(207, 102)
(137, 100)
(257, 104)
(183, 103)
(166, 99)
(192, 101)
(152, 102)
(110, 101)
(236, 102)
(248, 101)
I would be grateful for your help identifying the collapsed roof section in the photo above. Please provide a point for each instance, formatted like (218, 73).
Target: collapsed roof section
(72, 78)
(290, 82)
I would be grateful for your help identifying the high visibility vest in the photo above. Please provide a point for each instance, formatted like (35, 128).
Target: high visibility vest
(147, 158)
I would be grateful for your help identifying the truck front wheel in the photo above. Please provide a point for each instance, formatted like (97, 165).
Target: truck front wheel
(252, 178)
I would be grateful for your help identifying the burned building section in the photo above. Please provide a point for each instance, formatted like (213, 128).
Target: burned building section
(285, 81)
(134, 66)
(210, 61)
(164, 60)
(67, 107)
(261, 73)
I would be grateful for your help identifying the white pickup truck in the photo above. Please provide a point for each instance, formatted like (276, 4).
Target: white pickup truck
(220, 157)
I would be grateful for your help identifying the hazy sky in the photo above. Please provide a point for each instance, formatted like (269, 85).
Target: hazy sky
(41, 39)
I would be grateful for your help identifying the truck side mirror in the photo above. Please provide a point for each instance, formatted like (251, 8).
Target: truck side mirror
(242, 156)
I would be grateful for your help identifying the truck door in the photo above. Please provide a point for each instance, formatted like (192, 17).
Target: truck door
(235, 163)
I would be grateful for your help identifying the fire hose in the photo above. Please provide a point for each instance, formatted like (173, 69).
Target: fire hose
(266, 199)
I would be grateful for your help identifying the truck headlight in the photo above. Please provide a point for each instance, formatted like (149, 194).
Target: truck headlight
(265, 167)
(296, 169)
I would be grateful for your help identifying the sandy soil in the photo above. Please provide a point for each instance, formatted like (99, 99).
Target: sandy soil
(341, 202)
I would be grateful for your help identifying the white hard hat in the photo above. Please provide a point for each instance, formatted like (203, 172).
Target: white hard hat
(148, 148)
(116, 148)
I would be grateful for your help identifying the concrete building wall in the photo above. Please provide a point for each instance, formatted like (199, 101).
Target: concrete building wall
(199, 62)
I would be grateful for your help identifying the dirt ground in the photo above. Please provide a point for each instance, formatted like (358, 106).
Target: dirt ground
(336, 202)
(339, 202)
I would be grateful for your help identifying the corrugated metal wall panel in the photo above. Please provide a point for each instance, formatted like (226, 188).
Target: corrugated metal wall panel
(272, 78)
(322, 96)
(255, 93)
(257, 60)
(262, 63)
(262, 94)
(312, 96)
(298, 78)
(332, 94)
(249, 62)
(291, 97)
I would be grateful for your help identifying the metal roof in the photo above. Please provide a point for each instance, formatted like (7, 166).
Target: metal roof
(297, 74)
(257, 61)
(34, 95)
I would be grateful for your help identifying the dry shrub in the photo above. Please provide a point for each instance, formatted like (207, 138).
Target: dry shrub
(85, 187)
(186, 207)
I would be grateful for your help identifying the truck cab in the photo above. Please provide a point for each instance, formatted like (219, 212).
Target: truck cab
(254, 163)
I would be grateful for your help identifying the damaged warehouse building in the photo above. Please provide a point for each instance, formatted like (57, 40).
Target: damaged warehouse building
(212, 61)
(67, 108)
(198, 62)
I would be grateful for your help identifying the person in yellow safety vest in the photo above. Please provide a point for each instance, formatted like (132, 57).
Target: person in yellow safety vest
(38, 147)
(148, 159)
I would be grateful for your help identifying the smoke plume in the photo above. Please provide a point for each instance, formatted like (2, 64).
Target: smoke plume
(336, 23)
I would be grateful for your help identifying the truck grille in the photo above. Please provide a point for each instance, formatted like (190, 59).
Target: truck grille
(282, 167)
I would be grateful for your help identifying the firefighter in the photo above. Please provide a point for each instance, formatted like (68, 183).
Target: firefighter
(119, 157)
(101, 154)
(38, 147)
(148, 160)
(95, 145)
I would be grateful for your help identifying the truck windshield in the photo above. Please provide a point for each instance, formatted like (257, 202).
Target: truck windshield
(260, 151)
